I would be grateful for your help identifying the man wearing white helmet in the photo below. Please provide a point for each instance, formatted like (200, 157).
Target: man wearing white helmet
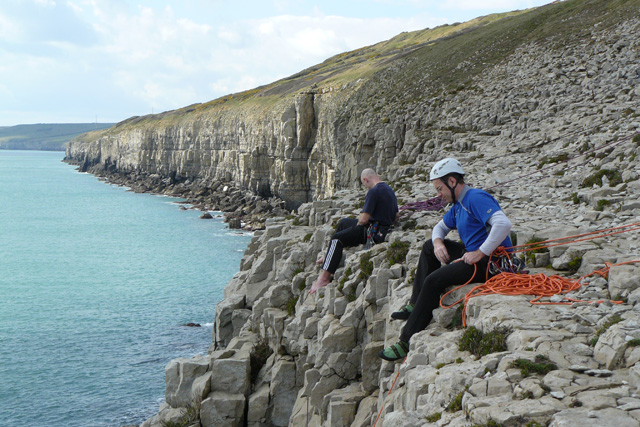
(482, 227)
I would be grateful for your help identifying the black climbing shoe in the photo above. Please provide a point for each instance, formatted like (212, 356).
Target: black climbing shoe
(395, 352)
(404, 313)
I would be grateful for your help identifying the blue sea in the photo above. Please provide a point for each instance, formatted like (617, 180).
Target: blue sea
(95, 285)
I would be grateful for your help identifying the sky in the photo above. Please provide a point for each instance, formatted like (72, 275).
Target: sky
(86, 61)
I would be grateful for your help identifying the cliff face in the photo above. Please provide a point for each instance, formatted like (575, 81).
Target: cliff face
(265, 152)
(540, 107)
(287, 150)
(305, 137)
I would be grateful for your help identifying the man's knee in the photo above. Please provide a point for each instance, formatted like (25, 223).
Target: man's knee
(344, 224)
(427, 248)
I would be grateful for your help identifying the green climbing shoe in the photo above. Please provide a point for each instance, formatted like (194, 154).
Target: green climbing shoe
(404, 313)
(395, 352)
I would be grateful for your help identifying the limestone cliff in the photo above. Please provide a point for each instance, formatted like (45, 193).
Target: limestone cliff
(304, 137)
(542, 109)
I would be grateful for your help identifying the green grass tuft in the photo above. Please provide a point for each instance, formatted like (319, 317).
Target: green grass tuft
(291, 306)
(541, 366)
(602, 203)
(434, 417)
(397, 252)
(480, 344)
(613, 176)
(574, 264)
(456, 403)
(366, 266)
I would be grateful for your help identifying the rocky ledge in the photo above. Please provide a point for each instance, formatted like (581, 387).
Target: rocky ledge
(283, 357)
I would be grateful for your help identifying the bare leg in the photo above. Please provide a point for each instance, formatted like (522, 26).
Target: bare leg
(320, 259)
(323, 280)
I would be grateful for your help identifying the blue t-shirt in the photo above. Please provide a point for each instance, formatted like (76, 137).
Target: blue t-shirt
(470, 217)
(381, 203)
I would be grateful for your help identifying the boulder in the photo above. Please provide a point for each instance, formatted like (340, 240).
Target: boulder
(222, 409)
(180, 375)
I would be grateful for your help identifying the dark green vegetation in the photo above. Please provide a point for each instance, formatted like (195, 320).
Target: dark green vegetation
(397, 252)
(258, 357)
(434, 417)
(574, 264)
(490, 423)
(456, 321)
(541, 366)
(366, 266)
(547, 160)
(479, 343)
(534, 249)
(44, 137)
(613, 176)
(456, 404)
(291, 306)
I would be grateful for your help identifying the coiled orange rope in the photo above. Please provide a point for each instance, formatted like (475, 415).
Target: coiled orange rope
(538, 285)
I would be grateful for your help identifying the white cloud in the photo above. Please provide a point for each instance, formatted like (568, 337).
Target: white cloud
(10, 31)
(46, 3)
(170, 57)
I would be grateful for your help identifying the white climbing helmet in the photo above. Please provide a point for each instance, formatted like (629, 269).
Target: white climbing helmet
(444, 167)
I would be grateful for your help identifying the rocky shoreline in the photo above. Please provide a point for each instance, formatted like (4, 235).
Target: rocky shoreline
(242, 208)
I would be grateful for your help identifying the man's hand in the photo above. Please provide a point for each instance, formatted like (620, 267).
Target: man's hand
(473, 257)
(441, 251)
(363, 219)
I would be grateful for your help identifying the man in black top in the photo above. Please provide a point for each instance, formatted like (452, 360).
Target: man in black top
(380, 209)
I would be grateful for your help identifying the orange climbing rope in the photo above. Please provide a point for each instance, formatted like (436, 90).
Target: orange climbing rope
(390, 390)
(538, 285)
(594, 235)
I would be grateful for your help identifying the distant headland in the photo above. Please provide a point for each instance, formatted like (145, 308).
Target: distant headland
(46, 137)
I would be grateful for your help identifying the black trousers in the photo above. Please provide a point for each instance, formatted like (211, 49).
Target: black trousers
(432, 278)
(348, 234)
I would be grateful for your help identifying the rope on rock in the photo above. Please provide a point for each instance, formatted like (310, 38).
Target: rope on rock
(433, 204)
(594, 235)
(538, 285)
(390, 390)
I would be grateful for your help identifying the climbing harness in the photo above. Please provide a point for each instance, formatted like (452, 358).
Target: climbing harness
(376, 233)
(371, 232)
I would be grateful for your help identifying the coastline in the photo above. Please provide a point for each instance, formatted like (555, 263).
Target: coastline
(241, 208)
